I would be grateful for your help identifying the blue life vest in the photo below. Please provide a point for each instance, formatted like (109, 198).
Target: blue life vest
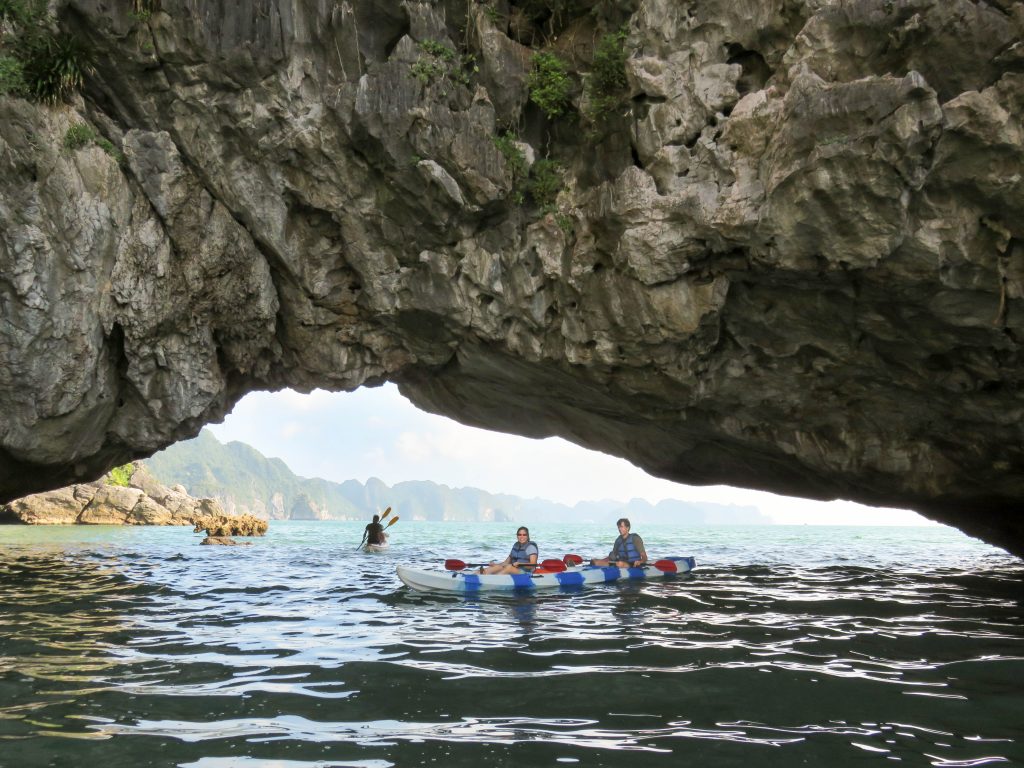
(521, 552)
(625, 550)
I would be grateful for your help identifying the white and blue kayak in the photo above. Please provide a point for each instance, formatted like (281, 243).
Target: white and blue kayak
(575, 576)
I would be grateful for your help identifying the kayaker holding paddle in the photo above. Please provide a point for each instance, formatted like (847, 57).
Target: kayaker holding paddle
(373, 535)
(374, 532)
(628, 549)
(524, 554)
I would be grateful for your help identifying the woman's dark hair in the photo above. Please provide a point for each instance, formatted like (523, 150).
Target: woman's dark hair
(524, 529)
(622, 520)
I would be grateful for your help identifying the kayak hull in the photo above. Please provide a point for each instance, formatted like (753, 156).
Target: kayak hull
(580, 576)
(376, 547)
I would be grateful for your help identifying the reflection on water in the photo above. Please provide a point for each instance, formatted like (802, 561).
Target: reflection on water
(137, 647)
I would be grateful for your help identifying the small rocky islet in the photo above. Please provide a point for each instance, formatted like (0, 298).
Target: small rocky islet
(131, 497)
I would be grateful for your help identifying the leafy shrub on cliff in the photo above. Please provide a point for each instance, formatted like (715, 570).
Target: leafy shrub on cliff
(121, 476)
(515, 161)
(549, 83)
(12, 76)
(21, 13)
(544, 184)
(82, 134)
(607, 82)
(78, 135)
(55, 65)
(439, 62)
(52, 64)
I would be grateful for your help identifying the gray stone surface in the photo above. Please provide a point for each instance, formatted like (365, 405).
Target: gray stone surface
(143, 502)
(791, 258)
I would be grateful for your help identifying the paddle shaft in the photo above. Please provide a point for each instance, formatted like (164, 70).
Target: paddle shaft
(453, 564)
(664, 565)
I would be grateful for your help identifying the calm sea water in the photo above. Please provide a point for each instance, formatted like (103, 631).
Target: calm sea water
(788, 646)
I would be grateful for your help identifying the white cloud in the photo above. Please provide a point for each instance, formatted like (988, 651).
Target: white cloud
(414, 447)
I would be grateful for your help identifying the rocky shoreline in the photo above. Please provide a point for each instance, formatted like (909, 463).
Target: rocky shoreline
(143, 501)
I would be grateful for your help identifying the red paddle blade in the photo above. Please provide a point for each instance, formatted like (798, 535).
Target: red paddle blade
(454, 565)
(550, 566)
(572, 560)
(666, 566)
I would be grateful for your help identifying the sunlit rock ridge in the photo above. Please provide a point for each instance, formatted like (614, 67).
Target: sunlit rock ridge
(787, 254)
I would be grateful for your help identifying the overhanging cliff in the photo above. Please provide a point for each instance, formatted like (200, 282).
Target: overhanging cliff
(769, 243)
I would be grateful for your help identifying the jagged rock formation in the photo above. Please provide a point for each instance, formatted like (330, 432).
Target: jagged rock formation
(221, 526)
(789, 257)
(143, 502)
(246, 482)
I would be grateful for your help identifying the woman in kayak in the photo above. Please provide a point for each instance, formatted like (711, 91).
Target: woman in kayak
(524, 554)
(628, 549)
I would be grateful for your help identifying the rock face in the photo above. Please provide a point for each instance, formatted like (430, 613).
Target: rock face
(788, 255)
(221, 526)
(144, 502)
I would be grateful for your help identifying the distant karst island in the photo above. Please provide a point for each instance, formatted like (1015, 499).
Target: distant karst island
(246, 482)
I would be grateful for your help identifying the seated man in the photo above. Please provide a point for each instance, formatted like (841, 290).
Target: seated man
(374, 532)
(524, 554)
(627, 551)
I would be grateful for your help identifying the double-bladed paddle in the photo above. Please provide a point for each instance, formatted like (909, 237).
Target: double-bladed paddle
(547, 565)
(552, 565)
(665, 566)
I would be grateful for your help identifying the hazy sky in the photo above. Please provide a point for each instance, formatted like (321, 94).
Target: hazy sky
(378, 433)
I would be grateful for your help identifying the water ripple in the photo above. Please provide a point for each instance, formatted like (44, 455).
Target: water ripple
(139, 647)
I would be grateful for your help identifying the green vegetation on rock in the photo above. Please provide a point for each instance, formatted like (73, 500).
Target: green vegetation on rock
(121, 475)
(12, 76)
(515, 161)
(549, 83)
(78, 135)
(39, 62)
(541, 182)
(606, 84)
(439, 62)
(81, 135)
(545, 183)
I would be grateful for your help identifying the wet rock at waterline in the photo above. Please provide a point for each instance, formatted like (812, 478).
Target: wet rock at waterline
(144, 501)
(785, 254)
(223, 541)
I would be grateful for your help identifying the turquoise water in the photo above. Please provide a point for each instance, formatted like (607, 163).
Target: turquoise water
(787, 646)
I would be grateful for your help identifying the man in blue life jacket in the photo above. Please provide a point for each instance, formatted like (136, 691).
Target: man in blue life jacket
(627, 551)
(524, 554)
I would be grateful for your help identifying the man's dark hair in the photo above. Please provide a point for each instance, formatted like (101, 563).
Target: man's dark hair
(376, 518)
(622, 520)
